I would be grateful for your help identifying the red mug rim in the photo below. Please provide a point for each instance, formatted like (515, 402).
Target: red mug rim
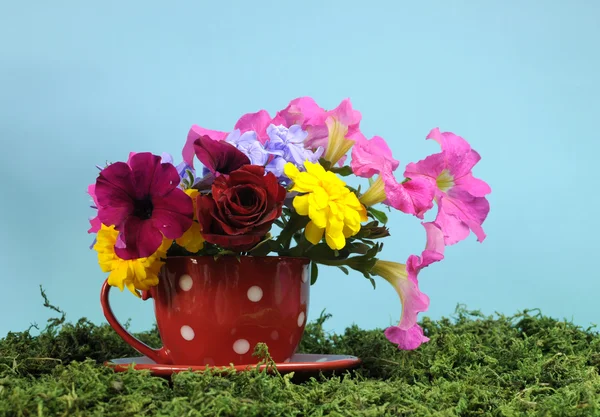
(275, 257)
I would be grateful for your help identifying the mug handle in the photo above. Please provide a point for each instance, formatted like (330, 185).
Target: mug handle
(157, 355)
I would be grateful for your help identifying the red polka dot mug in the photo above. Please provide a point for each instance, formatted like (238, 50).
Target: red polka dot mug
(214, 311)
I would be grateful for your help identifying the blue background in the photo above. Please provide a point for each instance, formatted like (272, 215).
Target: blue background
(84, 83)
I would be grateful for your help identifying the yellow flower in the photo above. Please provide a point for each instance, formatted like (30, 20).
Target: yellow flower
(192, 239)
(135, 274)
(332, 208)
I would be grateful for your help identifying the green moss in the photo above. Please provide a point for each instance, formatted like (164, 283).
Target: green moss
(524, 365)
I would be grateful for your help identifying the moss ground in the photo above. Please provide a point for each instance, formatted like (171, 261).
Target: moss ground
(475, 365)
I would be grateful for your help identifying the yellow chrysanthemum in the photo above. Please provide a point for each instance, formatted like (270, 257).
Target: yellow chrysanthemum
(332, 208)
(192, 239)
(135, 274)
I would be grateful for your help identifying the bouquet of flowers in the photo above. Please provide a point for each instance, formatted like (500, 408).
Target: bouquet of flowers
(275, 185)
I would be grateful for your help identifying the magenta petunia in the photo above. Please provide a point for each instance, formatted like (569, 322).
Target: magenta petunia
(144, 203)
(462, 206)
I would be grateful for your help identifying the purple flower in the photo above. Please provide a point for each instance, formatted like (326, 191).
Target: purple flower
(249, 144)
(142, 199)
(287, 145)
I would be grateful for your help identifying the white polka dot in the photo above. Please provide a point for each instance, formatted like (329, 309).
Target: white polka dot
(241, 346)
(274, 335)
(187, 332)
(301, 319)
(185, 282)
(321, 360)
(255, 293)
(287, 360)
(305, 277)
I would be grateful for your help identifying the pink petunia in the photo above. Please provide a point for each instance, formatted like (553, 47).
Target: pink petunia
(319, 123)
(413, 196)
(370, 157)
(142, 199)
(409, 339)
(257, 122)
(462, 206)
(407, 334)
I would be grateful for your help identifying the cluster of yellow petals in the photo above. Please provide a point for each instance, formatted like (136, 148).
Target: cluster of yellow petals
(192, 239)
(135, 274)
(334, 210)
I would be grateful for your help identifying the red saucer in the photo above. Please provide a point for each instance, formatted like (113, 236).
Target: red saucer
(300, 362)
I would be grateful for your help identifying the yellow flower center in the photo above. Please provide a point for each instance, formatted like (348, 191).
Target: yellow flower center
(445, 181)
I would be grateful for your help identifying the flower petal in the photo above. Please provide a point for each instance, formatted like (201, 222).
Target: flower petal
(412, 197)
(239, 243)
(458, 156)
(195, 133)
(148, 177)
(406, 339)
(435, 243)
(305, 112)
(141, 238)
(221, 157)
(114, 192)
(95, 225)
(474, 186)
(301, 205)
(173, 213)
(458, 212)
(257, 122)
(313, 233)
(370, 157)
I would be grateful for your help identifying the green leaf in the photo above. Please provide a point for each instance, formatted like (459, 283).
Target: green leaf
(344, 270)
(190, 176)
(358, 247)
(378, 215)
(342, 171)
(314, 273)
(325, 164)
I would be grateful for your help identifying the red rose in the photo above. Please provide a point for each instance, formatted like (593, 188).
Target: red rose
(241, 209)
